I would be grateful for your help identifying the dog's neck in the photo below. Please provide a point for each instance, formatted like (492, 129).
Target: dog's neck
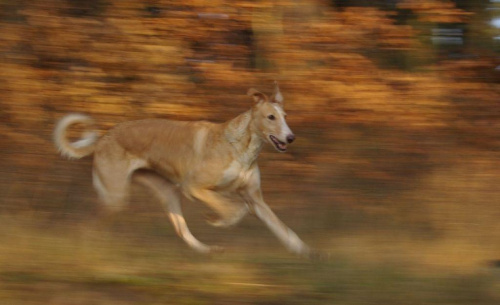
(241, 134)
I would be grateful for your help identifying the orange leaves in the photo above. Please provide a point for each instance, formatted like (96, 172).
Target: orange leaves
(177, 55)
(221, 74)
(436, 11)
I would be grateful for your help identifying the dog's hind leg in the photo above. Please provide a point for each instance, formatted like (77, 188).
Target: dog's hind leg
(111, 176)
(112, 189)
(169, 197)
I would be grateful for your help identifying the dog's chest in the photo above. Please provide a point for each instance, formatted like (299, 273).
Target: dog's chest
(234, 175)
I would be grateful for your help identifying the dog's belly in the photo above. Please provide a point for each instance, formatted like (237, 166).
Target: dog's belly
(168, 172)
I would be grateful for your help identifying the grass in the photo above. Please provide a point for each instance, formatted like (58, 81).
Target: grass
(69, 264)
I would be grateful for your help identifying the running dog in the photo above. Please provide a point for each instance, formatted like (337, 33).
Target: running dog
(213, 163)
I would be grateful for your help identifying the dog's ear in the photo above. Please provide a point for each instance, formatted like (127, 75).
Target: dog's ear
(277, 97)
(256, 95)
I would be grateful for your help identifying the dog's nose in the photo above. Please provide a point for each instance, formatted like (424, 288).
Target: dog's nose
(290, 138)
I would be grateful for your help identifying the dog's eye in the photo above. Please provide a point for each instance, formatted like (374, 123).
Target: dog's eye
(271, 117)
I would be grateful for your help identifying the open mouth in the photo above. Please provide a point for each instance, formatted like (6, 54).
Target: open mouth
(280, 146)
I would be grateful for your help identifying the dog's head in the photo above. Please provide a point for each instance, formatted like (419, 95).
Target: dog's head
(269, 118)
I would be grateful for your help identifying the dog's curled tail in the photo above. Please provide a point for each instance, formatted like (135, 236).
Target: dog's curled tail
(80, 148)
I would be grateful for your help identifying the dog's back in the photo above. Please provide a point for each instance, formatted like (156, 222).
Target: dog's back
(169, 147)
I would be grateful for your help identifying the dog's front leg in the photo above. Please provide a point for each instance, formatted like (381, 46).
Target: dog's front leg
(230, 212)
(253, 196)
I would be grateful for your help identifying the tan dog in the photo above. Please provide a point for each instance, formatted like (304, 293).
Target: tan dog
(205, 161)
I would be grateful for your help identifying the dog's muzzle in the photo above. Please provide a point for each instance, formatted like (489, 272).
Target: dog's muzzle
(280, 146)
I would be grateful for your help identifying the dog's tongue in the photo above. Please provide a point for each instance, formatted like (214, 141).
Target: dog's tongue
(279, 145)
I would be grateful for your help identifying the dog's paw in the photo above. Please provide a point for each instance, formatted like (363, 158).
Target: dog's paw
(219, 222)
(216, 249)
(318, 256)
(213, 220)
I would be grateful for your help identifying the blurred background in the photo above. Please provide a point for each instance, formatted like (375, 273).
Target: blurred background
(395, 170)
